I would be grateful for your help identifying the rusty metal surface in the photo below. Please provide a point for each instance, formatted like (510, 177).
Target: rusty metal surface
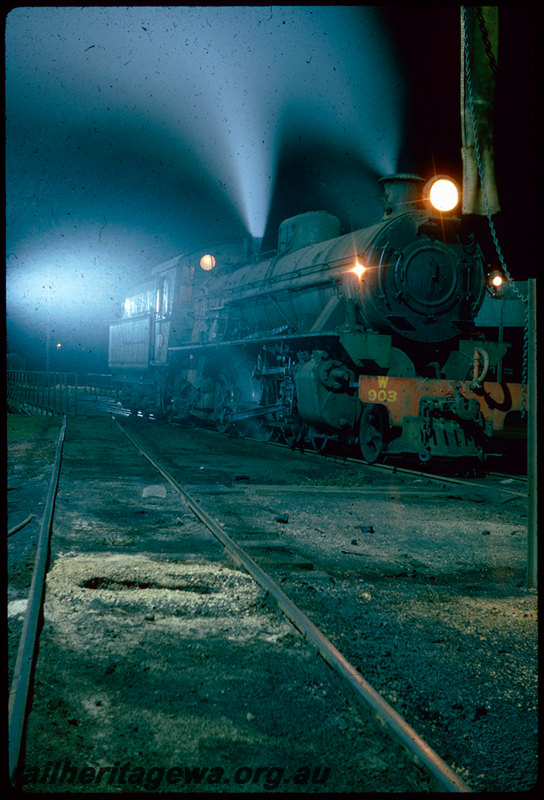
(401, 396)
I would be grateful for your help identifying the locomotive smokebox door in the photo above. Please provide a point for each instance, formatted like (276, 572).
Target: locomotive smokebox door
(422, 288)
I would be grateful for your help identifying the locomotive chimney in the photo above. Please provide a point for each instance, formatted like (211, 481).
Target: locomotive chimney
(401, 192)
(252, 247)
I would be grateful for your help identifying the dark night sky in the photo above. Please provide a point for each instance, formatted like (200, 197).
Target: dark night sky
(137, 133)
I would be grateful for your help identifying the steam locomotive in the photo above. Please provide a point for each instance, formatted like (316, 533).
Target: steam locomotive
(364, 339)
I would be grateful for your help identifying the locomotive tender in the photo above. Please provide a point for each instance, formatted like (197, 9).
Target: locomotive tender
(363, 337)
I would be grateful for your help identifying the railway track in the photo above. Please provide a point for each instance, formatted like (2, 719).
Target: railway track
(500, 479)
(108, 405)
(417, 748)
(290, 564)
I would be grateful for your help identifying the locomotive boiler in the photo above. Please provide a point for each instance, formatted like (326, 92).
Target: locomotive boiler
(364, 338)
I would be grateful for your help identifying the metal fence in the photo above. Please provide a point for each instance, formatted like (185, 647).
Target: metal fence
(43, 392)
(103, 385)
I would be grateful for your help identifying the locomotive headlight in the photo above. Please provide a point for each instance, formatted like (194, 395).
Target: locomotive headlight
(442, 194)
(207, 262)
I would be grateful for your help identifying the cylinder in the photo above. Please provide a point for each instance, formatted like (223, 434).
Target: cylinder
(401, 192)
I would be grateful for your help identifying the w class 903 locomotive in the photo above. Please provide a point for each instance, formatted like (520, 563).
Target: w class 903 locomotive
(365, 338)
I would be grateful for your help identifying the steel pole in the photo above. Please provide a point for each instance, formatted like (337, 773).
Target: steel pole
(532, 442)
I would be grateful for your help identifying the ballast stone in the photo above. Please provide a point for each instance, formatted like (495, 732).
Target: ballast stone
(154, 491)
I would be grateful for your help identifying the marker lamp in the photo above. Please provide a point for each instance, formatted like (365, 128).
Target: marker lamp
(207, 262)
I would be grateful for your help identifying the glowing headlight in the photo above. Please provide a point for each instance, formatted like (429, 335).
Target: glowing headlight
(442, 193)
(359, 268)
(207, 262)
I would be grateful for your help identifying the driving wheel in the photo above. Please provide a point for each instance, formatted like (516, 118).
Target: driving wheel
(372, 433)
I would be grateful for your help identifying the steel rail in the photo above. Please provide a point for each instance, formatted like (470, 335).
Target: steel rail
(521, 478)
(444, 478)
(26, 653)
(21, 525)
(401, 470)
(395, 724)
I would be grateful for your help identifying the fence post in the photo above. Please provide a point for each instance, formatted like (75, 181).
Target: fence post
(532, 541)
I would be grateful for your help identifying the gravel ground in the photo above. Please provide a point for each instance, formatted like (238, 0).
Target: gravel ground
(429, 602)
(150, 656)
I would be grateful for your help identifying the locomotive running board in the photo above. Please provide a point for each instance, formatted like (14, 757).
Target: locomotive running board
(190, 348)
